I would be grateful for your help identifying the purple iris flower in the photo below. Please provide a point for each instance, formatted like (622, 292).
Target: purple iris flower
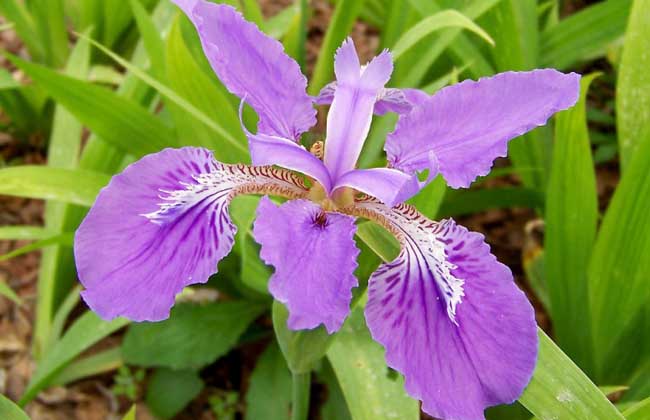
(448, 313)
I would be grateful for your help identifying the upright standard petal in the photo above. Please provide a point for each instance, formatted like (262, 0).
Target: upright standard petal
(254, 66)
(161, 225)
(314, 255)
(450, 317)
(349, 118)
(468, 125)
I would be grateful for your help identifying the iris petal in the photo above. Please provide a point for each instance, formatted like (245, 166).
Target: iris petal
(314, 255)
(161, 225)
(390, 186)
(255, 66)
(468, 125)
(450, 317)
(350, 115)
(399, 101)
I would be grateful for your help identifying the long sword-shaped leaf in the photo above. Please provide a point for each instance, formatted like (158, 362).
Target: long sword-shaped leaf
(618, 282)
(10, 411)
(585, 34)
(63, 152)
(174, 97)
(571, 231)
(85, 332)
(370, 391)
(65, 185)
(633, 86)
(436, 22)
(115, 119)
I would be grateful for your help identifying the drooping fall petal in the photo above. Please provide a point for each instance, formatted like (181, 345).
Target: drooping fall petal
(163, 224)
(314, 255)
(450, 316)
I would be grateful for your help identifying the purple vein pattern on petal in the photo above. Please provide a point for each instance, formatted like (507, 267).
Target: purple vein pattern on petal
(350, 115)
(254, 66)
(468, 125)
(314, 255)
(159, 226)
(390, 186)
(461, 359)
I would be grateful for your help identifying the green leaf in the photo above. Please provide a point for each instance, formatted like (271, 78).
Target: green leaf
(430, 198)
(370, 388)
(65, 185)
(151, 39)
(115, 119)
(8, 292)
(130, 415)
(570, 231)
(10, 411)
(433, 23)
(460, 202)
(278, 25)
(335, 407)
(86, 331)
(618, 288)
(63, 152)
(15, 11)
(301, 349)
(60, 239)
(254, 273)
(192, 337)
(380, 241)
(169, 391)
(345, 14)
(23, 232)
(633, 85)
(174, 97)
(49, 20)
(559, 389)
(7, 81)
(639, 411)
(96, 364)
(269, 391)
(584, 35)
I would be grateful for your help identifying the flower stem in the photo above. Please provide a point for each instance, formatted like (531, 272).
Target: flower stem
(300, 391)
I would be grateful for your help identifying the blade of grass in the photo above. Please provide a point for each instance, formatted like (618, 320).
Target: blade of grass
(49, 21)
(174, 97)
(124, 123)
(460, 202)
(86, 331)
(618, 289)
(151, 39)
(16, 12)
(96, 364)
(10, 411)
(633, 85)
(584, 35)
(570, 231)
(8, 292)
(60, 239)
(436, 22)
(65, 185)
(24, 232)
(63, 152)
